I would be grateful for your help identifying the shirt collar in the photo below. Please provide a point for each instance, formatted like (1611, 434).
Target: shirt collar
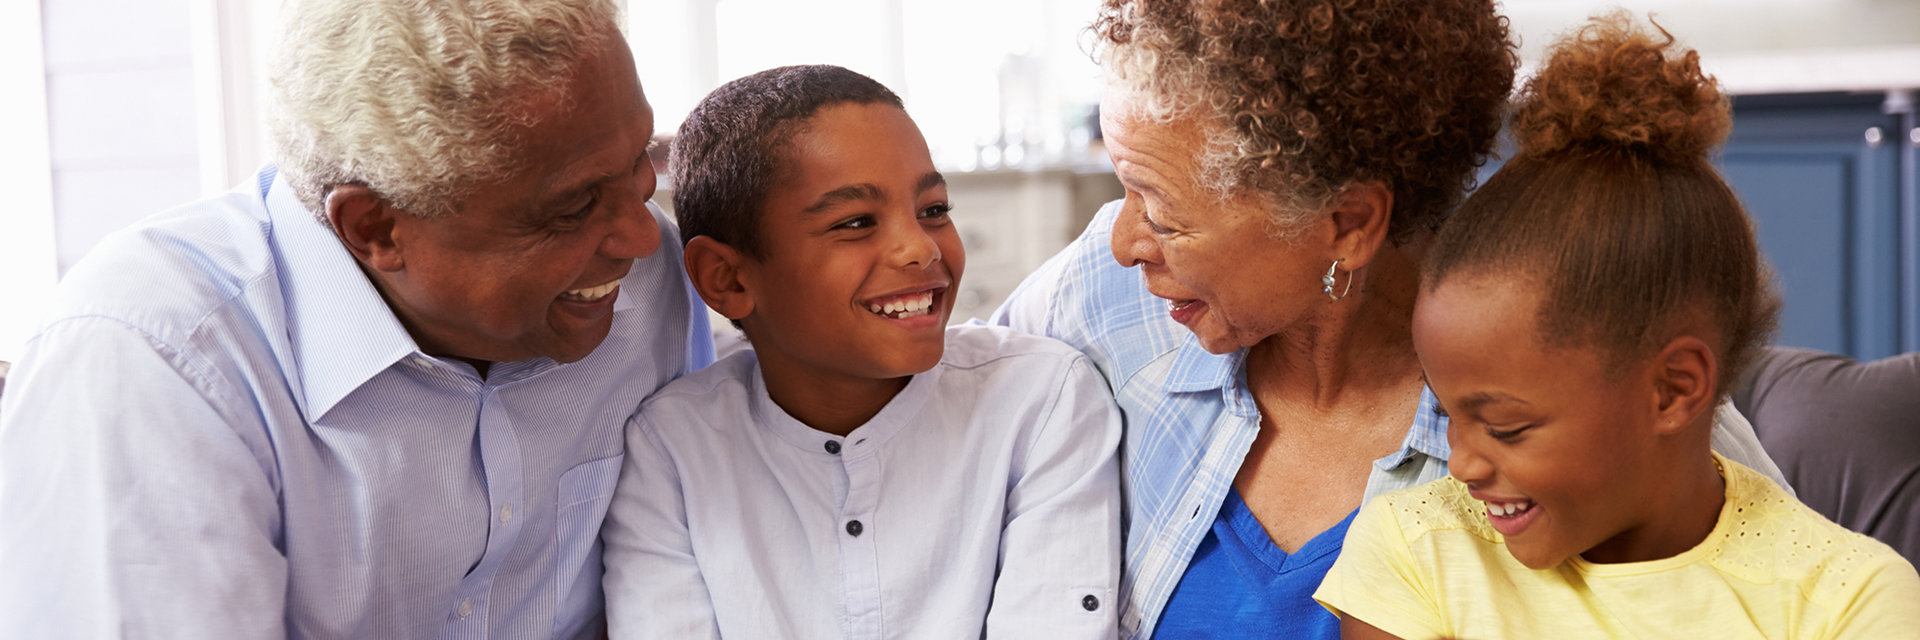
(1196, 370)
(341, 330)
(1428, 435)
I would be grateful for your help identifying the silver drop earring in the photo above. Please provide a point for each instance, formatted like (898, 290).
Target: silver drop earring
(1327, 281)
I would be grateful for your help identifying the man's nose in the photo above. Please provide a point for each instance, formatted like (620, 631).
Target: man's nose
(635, 233)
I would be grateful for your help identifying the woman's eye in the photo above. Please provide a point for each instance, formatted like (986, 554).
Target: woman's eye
(1154, 226)
(936, 211)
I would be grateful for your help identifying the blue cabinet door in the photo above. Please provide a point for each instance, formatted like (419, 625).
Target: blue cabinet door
(1826, 203)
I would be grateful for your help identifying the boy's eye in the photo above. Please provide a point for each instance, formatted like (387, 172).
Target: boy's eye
(856, 222)
(936, 211)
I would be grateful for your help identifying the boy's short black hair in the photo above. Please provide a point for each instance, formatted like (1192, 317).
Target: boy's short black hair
(730, 152)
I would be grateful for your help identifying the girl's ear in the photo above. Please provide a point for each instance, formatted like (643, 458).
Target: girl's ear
(1684, 373)
(721, 274)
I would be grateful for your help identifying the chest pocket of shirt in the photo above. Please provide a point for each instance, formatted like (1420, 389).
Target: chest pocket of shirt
(585, 492)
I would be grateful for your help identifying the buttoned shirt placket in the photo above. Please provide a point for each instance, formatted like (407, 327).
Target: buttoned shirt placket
(862, 609)
(506, 487)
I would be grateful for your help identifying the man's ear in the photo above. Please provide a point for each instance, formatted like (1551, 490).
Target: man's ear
(1684, 373)
(719, 273)
(365, 223)
(1361, 217)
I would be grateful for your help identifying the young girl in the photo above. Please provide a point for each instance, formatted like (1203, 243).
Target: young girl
(1581, 316)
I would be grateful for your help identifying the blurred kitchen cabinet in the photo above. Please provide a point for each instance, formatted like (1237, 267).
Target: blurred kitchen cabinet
(1822, 176)
(1012, 221)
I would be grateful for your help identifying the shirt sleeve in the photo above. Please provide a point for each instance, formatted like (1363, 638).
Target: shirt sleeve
(1377, 580)
(653, 583)
(1029, 308)
(1884, 606)
(1733, 437)
(1060, 546)
(136, 504)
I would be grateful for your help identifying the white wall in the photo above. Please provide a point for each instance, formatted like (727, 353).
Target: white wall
(1761, 46)
(121, 115)
(28, 263)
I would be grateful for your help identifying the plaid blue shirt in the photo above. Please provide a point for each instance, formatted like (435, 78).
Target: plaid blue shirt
(1190, 418)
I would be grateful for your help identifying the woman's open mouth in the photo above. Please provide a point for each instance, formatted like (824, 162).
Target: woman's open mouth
(1184, 310)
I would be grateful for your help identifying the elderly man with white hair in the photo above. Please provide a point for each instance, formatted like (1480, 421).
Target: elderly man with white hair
(376, 392)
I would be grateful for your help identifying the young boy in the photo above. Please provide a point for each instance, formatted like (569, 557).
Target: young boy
(863, 471)
(1579, 318)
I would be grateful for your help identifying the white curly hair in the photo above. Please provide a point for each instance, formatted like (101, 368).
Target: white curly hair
(418, 99)
(1166, 83)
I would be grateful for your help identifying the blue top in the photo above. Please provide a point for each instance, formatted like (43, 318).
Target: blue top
(1242, 586)
(222, 431)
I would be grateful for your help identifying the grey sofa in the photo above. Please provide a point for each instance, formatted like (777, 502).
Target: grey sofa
(1846, 434)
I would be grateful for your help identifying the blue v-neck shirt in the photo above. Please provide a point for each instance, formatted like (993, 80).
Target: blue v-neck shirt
(1240, 585)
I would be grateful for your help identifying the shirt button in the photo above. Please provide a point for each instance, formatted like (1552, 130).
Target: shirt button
(466, 607)
(506, 514)
(833, 447)
(1090, 603)
(854, 528)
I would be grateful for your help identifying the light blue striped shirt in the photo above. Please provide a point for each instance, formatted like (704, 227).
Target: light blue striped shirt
(1190, 419)
(222, 431)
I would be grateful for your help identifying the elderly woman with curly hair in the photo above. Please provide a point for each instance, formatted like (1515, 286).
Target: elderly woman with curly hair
(1285, 164)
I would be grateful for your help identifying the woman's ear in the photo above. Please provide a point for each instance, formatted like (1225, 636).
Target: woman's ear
(1684, 373)
(1361, 218)
(721, 274)
(365, 224)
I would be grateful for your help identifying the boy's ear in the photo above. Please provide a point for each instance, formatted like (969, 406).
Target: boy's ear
(365, 224)
(716, 270)
(1684, 373)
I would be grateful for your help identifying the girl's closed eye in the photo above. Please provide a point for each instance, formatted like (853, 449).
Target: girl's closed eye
(1507, 434)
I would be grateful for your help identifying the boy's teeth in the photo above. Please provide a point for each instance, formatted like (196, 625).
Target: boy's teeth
(904, 307)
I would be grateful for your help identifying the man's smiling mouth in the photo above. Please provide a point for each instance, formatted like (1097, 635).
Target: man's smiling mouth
(591, 294)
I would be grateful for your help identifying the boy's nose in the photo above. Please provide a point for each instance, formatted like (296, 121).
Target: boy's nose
(913, 246)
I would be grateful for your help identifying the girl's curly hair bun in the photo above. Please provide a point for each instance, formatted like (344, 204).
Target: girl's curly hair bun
(1613, 86)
